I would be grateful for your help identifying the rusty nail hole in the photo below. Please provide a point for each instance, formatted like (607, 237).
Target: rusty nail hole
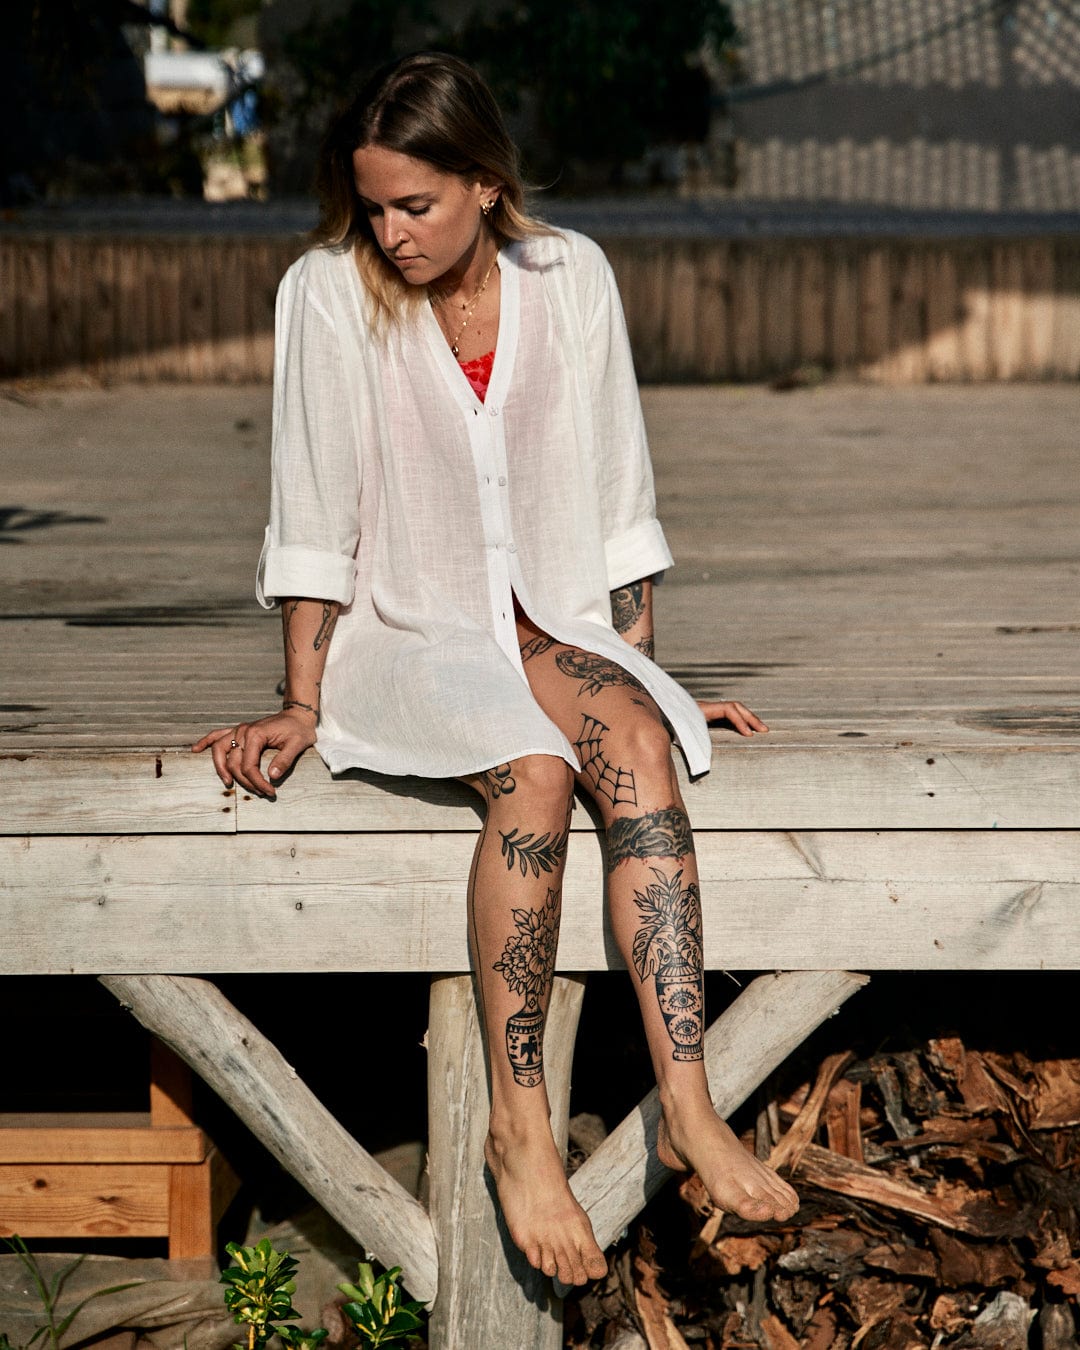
(929, 761)
(299, 904)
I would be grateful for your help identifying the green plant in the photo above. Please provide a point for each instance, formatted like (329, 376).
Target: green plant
(376, 1309)
(260, 1291)
(49, 1294)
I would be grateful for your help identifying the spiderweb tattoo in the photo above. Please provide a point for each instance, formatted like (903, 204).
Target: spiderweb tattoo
(607, 779)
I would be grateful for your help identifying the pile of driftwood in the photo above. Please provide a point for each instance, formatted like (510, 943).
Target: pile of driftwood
(941, 1207)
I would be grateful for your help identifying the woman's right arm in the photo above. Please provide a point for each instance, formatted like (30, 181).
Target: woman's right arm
(307, 627)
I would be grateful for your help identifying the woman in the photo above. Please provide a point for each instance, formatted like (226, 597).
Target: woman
(463, 540)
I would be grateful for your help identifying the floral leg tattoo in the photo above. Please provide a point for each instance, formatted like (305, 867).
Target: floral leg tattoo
(668, 947)
(528, 967)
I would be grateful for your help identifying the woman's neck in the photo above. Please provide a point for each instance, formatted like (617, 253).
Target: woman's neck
(460, 283)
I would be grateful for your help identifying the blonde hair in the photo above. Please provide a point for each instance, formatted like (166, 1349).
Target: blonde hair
(435, 108)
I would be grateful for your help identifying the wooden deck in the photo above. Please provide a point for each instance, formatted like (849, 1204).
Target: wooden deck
(889, 576)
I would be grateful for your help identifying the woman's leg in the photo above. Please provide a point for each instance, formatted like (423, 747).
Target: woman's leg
(625, 752)
(515, 895)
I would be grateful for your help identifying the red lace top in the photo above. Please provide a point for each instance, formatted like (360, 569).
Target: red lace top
(478, 373)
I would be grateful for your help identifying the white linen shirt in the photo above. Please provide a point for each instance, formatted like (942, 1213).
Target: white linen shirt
(423, 511)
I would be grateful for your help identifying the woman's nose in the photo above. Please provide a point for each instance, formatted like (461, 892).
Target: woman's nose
(393, 230)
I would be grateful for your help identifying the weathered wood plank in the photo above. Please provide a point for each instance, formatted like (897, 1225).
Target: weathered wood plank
(886, 900)
(137, 793)
(743, 1046)
(251, 1076)
(857, 784)
(755, 786)
(484, 1301)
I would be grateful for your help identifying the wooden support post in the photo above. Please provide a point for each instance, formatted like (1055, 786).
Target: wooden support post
(742, 1047)
(488, 1293)
(251, 1076)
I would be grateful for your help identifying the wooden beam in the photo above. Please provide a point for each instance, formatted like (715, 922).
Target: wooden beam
(489, 1294)
(930, 899)
(251, 1076)
(742, 1047)
(870, 782)
(83, 1138)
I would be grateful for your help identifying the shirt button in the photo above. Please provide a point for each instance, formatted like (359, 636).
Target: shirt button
(512, 547)
(502, 481)
(494, 410)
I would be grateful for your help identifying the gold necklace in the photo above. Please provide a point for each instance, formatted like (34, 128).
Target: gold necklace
(468, 308)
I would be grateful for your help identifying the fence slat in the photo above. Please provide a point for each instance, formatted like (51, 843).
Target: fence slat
(1067, 309)
(746, 306)
(811, 307)
(944, 313)
(892, 310)
(714, 311)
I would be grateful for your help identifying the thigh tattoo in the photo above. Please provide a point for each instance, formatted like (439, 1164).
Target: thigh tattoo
(596, 673)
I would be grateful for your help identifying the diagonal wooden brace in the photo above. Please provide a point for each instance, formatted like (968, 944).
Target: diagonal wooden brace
(768, 1020)
(252, 1077)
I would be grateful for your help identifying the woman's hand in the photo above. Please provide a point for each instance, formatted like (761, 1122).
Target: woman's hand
(237, 751)
(738, 714)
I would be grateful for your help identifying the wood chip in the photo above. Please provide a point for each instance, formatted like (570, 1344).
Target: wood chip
(790, 1148)
(958, 1208)
(903, 1259)
(775, 1336)
(843, 1128)
(967, 1263)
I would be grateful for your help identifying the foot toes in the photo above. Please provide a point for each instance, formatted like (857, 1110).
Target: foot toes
(548, 1264)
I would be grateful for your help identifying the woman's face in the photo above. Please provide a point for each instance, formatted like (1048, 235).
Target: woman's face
(427, 222)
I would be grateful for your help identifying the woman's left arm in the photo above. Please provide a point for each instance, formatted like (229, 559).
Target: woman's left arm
(632, 616)
(631, 613)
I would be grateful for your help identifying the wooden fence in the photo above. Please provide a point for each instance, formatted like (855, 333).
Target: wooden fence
(200, 308)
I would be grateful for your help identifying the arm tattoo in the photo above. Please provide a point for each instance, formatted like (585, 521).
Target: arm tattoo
(656, 834)
(499, 780)
(288, 611)
(595, 672)
(616, 784)
(536, 646)
(528, 966)
(326, 628)
(627, 606)
(295, 703)
(647, 647)
(668, 947)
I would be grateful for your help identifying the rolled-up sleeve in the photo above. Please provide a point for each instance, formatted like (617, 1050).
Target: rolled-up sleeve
(634, 541)
(311, 540)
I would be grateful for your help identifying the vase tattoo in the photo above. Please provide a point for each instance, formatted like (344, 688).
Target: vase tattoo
(667, 946)
(527, 966)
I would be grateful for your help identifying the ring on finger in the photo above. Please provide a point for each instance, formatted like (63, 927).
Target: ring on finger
(233, 745)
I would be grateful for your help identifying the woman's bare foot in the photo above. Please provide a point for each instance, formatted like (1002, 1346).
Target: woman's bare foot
(697, 1140)
(543, 1217)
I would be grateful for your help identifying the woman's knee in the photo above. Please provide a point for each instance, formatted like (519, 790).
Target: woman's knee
(643, 745)
(538, 778)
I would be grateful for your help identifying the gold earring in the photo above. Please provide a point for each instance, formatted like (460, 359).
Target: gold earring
(486, 208)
